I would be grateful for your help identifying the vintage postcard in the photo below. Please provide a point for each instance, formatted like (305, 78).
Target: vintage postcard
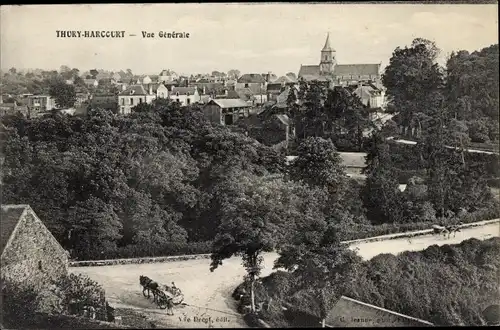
(238, 165)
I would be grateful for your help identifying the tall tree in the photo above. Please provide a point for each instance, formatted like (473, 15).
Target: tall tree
(412, 78)
(63, 94)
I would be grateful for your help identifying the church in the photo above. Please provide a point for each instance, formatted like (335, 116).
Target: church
(339, 74)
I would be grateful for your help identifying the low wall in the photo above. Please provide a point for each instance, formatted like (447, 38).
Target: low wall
(416, 233)
(108, 262)
(89, 263)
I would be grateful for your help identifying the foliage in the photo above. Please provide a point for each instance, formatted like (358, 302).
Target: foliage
(18, 304)
(63, 93)
(79, 290)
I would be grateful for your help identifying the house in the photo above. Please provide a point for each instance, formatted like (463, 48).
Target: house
(162, 91)
(30, 255)
(13, 108)
(116, 77)
(282, 98)
(285, 80)
(253, 81)
(91, 82)
(370, 95)
(81, 98)
(226, 111)
(348, 312)
(37, 103)
(185, 95)
(146, 80)
(274, 90)
(338, 74)
(132, 96)
(167, 76)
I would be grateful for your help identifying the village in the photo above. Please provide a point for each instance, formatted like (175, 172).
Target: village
(331, 194)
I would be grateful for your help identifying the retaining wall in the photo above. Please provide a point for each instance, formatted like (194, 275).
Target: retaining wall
(89, 263)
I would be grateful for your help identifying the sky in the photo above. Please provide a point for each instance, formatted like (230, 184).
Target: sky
(253, 38)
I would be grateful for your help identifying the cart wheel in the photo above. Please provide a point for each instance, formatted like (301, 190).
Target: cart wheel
(177, 300)
(162, 305)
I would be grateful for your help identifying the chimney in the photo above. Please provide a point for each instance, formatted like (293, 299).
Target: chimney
(204, 90)
(225, 92)
(150, 89)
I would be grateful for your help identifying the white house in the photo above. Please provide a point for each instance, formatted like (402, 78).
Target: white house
(132, 96)
(162, 92)
(167, 76)
(185, 95)
(91, 82)
(371, 95)
(146, 80)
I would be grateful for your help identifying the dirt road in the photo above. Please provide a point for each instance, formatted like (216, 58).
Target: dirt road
(208, 295)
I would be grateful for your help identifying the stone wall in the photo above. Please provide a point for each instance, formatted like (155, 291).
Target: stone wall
(34, 257)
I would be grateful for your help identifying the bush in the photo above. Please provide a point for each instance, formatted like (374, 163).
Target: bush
(19, 305)
(80, 291)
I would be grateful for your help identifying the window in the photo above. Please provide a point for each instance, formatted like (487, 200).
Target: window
(177, 94)
(140, 100)
(39, 265)
(123, 109)
(132, 101)
(188, 100)
(177, 100)
(246, 85)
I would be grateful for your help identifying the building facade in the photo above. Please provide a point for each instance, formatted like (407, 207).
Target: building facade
(40, 103)
(226, 111)
(185, 95)
(132, 96)
(30, 255)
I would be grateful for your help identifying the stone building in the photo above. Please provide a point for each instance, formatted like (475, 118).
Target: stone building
(338, 74)
(30, 255)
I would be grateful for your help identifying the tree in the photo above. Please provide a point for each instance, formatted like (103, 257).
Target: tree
(318, 164)
(252, 223)
(63, 94)
(94, 73)
(413, 79)
(233, 74)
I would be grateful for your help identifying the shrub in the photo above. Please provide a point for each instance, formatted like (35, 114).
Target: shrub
(79, 291)
(19, 305)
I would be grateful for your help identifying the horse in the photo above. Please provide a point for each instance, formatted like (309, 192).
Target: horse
(453, 229)
(150, 285)
(440, 230)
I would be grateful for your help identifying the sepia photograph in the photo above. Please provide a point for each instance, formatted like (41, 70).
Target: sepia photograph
(249, 165)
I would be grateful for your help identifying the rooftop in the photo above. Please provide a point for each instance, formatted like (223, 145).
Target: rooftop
(11, 214)
(230, 103)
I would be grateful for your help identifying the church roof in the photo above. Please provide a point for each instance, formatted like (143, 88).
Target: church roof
(327, 47)
(309, 70)
(251, 78)
(356, 69)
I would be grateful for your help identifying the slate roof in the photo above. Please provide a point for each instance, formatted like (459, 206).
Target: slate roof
(274, 87)
(286, 79)
(356, 69)
(251, 78)
(183, 90)
(134, 90)
(11, 214)
(230, 103)
(327, 47)
(309, 70)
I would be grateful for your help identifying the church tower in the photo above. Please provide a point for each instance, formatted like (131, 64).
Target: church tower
(328, 58)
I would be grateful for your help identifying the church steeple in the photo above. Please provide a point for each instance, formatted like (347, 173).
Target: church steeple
(328, 60)
(327, 46)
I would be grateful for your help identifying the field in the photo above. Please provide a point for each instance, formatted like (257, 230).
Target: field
(208, 295)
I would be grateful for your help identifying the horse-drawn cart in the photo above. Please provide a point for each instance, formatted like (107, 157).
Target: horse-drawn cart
(171, 293)
(163, 295)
